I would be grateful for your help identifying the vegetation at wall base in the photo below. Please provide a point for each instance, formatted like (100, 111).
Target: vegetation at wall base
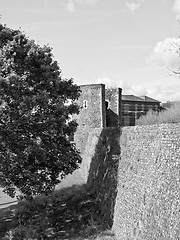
(170, 115)
(71, 213)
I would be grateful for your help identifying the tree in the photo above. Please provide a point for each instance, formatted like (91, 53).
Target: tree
(167, 104)
(34, 117)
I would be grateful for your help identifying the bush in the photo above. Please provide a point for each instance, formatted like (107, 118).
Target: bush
(170, 115)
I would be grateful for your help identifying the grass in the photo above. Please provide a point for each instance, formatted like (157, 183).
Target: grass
(69, 213)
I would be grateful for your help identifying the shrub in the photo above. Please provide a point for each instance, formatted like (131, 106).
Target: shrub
(170, 115)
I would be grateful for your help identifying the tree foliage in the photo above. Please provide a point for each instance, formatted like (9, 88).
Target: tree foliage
(34, 117)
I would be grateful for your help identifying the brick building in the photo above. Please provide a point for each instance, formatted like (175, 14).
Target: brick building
(133, 107)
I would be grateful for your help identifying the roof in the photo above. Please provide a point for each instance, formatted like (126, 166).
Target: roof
(148, 99)
(132, 98)
(138, 98)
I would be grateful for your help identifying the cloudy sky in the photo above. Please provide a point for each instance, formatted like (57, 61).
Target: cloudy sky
(124, 43)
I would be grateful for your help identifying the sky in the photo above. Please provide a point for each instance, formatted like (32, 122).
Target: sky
(132, 44)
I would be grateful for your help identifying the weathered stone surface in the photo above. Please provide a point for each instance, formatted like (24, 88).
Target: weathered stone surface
(113, 111)
(92, 106)
(101, 153)
(86, 141)
(103, 172)
(148, 200)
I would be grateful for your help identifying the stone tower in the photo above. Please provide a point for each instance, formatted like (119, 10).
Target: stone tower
(113, 107)
(99, 107)
(92, 106)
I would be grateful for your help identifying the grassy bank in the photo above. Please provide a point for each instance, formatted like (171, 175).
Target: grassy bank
(69, 213)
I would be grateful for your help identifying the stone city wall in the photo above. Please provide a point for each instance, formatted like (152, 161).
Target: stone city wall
(100, 151)
(148, 199)
(102, 175)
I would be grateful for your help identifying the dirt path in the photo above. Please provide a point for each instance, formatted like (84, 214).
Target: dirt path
(5, 200)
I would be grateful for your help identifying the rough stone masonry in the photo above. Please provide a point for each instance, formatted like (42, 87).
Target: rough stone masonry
(148, 200)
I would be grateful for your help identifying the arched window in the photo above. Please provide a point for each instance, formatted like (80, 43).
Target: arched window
(142, 107)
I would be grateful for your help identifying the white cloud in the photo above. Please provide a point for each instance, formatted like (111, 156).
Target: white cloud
(165, 93)
(127, 88)
(158, 92)
(137, 90)
(134, 5)
(108, 82)
(46, 2)
(87, 2)
(176, 8)
(70, 5)
(167, 53)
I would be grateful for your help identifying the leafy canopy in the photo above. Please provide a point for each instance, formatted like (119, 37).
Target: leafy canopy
(34, 117)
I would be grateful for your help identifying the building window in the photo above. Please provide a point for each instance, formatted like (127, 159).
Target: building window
(149, 107)
(142, 107)
(85, 104)
(126, 121)
(136, 107)
(126, 108)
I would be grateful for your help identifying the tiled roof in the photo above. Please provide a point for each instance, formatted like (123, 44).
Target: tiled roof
(148, 99)
(131, 98)
(138, 99)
